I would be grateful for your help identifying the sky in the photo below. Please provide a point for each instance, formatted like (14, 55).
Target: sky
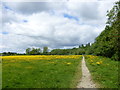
(56, 24)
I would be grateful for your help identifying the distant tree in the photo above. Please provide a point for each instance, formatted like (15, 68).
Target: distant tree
(82, 46)
(45, 50)
(28, 51)
(8, 53)
(38, 51)
(33, 51)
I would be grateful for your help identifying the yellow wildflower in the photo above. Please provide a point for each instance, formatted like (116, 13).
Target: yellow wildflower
(98, 62)
(91, 60)
(68, 63)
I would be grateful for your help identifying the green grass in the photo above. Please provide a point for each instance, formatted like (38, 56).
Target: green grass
(104, 71)
(0, 73)
(54, 73)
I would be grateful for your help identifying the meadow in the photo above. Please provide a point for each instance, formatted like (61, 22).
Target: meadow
(0, 73)
(104, 71)
(56, 71)
(41, 71)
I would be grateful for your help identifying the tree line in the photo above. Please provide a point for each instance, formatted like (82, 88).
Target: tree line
(74, 51)
(108, 42)
(38, 51)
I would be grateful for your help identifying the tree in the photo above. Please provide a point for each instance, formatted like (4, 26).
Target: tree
(108, 42)
(33, 51)
(45, 50)
(28, 51)
(82, 46)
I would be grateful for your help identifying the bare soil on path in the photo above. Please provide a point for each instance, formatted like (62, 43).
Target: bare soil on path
(86, 81)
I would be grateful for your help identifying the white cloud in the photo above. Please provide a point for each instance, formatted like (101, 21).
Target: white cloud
(44, 24)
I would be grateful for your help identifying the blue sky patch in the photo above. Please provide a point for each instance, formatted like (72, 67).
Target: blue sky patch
(5, 33)
(25, 21)
(6, 7)
(70, 17)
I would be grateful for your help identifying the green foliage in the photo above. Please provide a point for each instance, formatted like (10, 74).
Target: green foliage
(28, 51)
(33, 51)
(8, 53)
(107, 43)
(59, 52)
(45, 50)
(74, 51)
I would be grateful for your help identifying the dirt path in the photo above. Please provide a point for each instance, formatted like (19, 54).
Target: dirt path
(85, 81)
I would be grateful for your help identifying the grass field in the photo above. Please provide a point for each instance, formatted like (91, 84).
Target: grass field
(41, 71)
(104, 71)
(0, 73)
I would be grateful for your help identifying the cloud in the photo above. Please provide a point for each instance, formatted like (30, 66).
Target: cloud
(27, 7)
(48, 31)
(52, 24)
(86, 10)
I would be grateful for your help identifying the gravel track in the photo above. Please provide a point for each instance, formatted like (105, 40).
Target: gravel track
(86, 81)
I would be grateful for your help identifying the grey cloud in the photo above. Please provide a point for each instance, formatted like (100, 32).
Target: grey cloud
(85, 10)
(90, 10)
(33, 7)
(27, 7)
